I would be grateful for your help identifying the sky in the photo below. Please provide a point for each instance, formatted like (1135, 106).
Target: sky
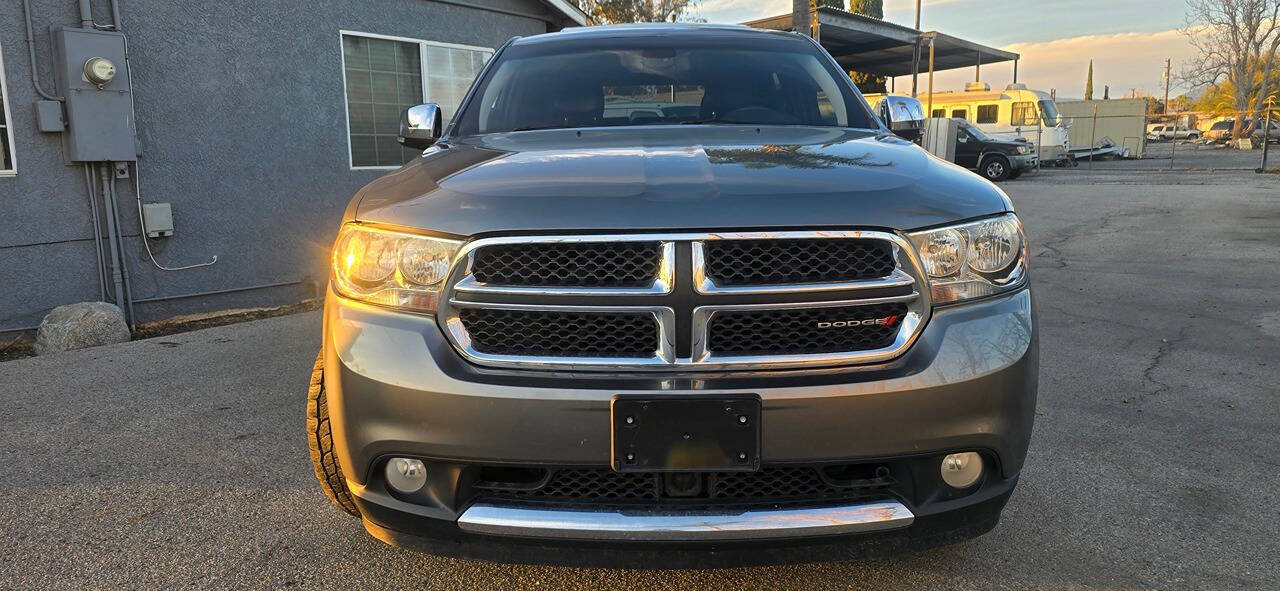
(1128, 40)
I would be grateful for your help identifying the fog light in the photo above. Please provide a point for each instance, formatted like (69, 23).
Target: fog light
(406, 475)
(961, 470)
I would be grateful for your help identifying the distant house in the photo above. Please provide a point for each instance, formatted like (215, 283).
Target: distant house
(255, 121)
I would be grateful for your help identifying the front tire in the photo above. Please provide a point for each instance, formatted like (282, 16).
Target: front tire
(996, 168)
(320, 443)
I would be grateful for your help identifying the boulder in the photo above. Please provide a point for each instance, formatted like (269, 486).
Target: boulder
(76, 326)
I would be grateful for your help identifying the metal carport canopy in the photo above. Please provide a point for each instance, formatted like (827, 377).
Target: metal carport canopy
(873, 46)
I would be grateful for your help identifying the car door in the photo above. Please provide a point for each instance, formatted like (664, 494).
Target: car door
(967, 149)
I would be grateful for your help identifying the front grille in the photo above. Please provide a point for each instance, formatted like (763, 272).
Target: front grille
(684, 301)
(596, 264)
(568, 334)
(779, 262)
(802, 331)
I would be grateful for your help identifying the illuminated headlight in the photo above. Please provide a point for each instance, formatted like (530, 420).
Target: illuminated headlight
(973, 260)
(391, 268)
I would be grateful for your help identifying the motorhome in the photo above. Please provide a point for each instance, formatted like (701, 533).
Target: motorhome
(1014, 111)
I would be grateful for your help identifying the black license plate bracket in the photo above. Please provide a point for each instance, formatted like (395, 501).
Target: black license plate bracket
(685, 433)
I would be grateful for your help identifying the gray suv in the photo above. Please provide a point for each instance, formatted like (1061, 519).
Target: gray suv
(673, 295)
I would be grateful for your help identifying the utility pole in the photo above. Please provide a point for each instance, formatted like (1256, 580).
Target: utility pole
(800, 18)
(1168, 65)
(1266, 132)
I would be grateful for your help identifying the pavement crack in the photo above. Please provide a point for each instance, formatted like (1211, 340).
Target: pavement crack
(1093, 228)
(1149, 374)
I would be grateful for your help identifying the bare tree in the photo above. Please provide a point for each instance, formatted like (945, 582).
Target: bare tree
(1237, 41)
(603, 12)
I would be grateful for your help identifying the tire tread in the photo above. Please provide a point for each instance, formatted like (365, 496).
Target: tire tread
(320, 443)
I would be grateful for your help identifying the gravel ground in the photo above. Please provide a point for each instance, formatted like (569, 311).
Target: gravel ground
(180, 461)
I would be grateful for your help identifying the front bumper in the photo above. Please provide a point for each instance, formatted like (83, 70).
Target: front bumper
(396, 387)
(1024, 161)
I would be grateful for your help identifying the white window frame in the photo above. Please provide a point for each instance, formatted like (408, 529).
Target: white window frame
(8, 123)
(422, 64)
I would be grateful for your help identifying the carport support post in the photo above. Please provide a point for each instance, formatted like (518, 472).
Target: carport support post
(915, 70)
(915, 54)
(930, 36)
(1015, 71)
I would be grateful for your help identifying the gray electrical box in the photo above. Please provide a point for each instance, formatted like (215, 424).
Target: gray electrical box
(939, 139)
(157, 219)
(99, 104)
(49, 117)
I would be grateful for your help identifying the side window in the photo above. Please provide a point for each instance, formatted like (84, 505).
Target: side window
(939, 113)
(449, 73)
(8, 164)
(386, 75)
(988, 113)
(1024, 113)
(960, 113)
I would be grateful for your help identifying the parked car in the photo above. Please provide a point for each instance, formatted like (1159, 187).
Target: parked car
(768, 331)
(1165, 132)
(1221, 131)
(995, 159)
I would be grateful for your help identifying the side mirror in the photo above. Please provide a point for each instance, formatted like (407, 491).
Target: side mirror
(421, 126)
(903, 115)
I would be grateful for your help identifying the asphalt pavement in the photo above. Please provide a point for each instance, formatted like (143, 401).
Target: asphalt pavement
(180, 461)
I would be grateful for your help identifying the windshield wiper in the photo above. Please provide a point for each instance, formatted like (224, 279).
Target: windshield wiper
(540, 127)
(711, 120)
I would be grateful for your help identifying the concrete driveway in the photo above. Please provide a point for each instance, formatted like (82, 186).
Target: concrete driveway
(180, 461)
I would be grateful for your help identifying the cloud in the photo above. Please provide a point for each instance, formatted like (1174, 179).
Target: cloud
(1122, 61)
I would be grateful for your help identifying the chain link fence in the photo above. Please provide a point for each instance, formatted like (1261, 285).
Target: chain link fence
(1177, 141)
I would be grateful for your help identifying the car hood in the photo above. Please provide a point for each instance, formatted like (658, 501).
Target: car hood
(676, 178)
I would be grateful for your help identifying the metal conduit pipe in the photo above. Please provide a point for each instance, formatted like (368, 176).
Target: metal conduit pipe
(86, 15)
(124, 263)
(198, 294)
(97, 232)
(115, 15)
(31, 54)
(116, 277)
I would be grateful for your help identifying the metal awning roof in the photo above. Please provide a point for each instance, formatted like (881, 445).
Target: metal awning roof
(874, 46)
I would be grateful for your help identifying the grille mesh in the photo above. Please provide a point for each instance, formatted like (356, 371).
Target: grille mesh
(596, 485)
(778, 262)
(603, 264)
(601, 485)
(569, 334)
(793, 332)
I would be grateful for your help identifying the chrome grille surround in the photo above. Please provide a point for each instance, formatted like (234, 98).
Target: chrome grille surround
(905, 285)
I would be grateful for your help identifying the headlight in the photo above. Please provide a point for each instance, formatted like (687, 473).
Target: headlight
(1024, 149)
(973, 260)
(391, 268)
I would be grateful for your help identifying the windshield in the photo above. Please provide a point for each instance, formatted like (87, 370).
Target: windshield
(977, 133)
(686, 79)
(1049, 110)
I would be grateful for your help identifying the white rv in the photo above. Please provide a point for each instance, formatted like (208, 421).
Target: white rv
(1014, 111)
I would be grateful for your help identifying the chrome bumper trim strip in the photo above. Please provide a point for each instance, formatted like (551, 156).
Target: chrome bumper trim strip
(691, 525)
